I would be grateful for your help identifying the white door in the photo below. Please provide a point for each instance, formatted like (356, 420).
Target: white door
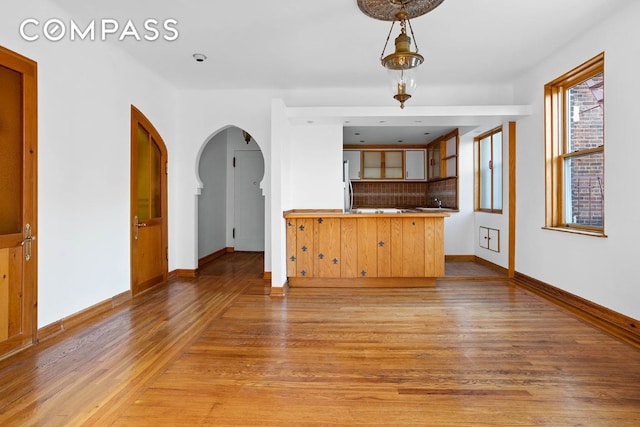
(248, 201)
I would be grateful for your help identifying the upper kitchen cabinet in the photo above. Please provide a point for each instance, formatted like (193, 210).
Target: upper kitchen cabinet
(442, 157)
(386, 164)
(433, 160)
(414, 161)
(353, 157)
(451, 155)
(383, 164)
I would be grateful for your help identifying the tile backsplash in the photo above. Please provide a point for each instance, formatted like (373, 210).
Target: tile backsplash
(389, 194)
(404, 194)
(444, 190)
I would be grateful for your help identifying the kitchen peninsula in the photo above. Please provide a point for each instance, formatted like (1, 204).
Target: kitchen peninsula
(326, 248)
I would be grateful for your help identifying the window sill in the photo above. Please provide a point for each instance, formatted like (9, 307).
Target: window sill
(576, 231)
(489, 211)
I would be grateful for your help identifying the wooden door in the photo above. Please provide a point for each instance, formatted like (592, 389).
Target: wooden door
(149, 252)
(18, 197)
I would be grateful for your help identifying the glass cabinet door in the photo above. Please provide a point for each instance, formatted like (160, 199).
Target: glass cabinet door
(393, 165)
(372, 164)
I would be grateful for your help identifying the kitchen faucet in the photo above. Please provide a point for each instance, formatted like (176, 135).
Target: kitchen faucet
(439, 202)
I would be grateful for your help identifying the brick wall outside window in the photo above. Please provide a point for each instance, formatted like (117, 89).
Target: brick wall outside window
(587, 172)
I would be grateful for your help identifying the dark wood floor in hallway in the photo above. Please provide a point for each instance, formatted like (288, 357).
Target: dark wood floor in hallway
(216, 350)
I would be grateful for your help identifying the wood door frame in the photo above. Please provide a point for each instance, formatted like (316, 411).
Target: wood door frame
(29, 70)
(138, 117)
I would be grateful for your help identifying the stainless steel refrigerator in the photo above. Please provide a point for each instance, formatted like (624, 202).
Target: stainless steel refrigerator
(348, 187)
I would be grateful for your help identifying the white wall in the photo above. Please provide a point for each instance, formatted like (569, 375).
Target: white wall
(602, 270)
(497, 221)
(212, 203)
(315, 153)
(458, 227)
(85, 90)
(280, 195)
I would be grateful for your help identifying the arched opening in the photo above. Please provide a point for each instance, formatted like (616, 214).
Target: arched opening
(231, 204)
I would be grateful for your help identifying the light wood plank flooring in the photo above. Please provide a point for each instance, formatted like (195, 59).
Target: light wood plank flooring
(216, 350)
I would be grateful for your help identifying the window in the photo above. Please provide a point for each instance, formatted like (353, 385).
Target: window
(574, 136)
(488, 149)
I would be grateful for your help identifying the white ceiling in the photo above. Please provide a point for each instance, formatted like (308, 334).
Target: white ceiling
(289, 44)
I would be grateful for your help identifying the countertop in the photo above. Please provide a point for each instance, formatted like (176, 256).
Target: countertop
(369, 212)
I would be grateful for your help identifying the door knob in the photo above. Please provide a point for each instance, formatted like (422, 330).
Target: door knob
(28, 238)
(136, 227)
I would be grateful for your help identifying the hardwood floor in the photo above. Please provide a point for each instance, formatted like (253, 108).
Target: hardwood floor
(469, 269)
(215, 350)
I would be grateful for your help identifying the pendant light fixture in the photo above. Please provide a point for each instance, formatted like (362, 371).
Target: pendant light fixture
(402, 62)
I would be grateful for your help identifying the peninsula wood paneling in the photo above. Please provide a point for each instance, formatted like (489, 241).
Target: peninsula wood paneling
(384, 246)
(349, 262)
(328, 247)
(429, 248)
(413, 247)
(305, 247)
(292, 244)
(376, 249)
(367, 245)
(397, 259)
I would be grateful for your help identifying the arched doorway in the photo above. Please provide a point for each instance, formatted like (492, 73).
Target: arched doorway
(231, 206)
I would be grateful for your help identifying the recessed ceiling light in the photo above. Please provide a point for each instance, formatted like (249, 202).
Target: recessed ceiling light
(199, 57)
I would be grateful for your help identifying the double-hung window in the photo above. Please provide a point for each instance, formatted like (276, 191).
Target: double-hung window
(574, 136)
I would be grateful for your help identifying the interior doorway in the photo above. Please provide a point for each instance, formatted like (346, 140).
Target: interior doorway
(231, 204)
